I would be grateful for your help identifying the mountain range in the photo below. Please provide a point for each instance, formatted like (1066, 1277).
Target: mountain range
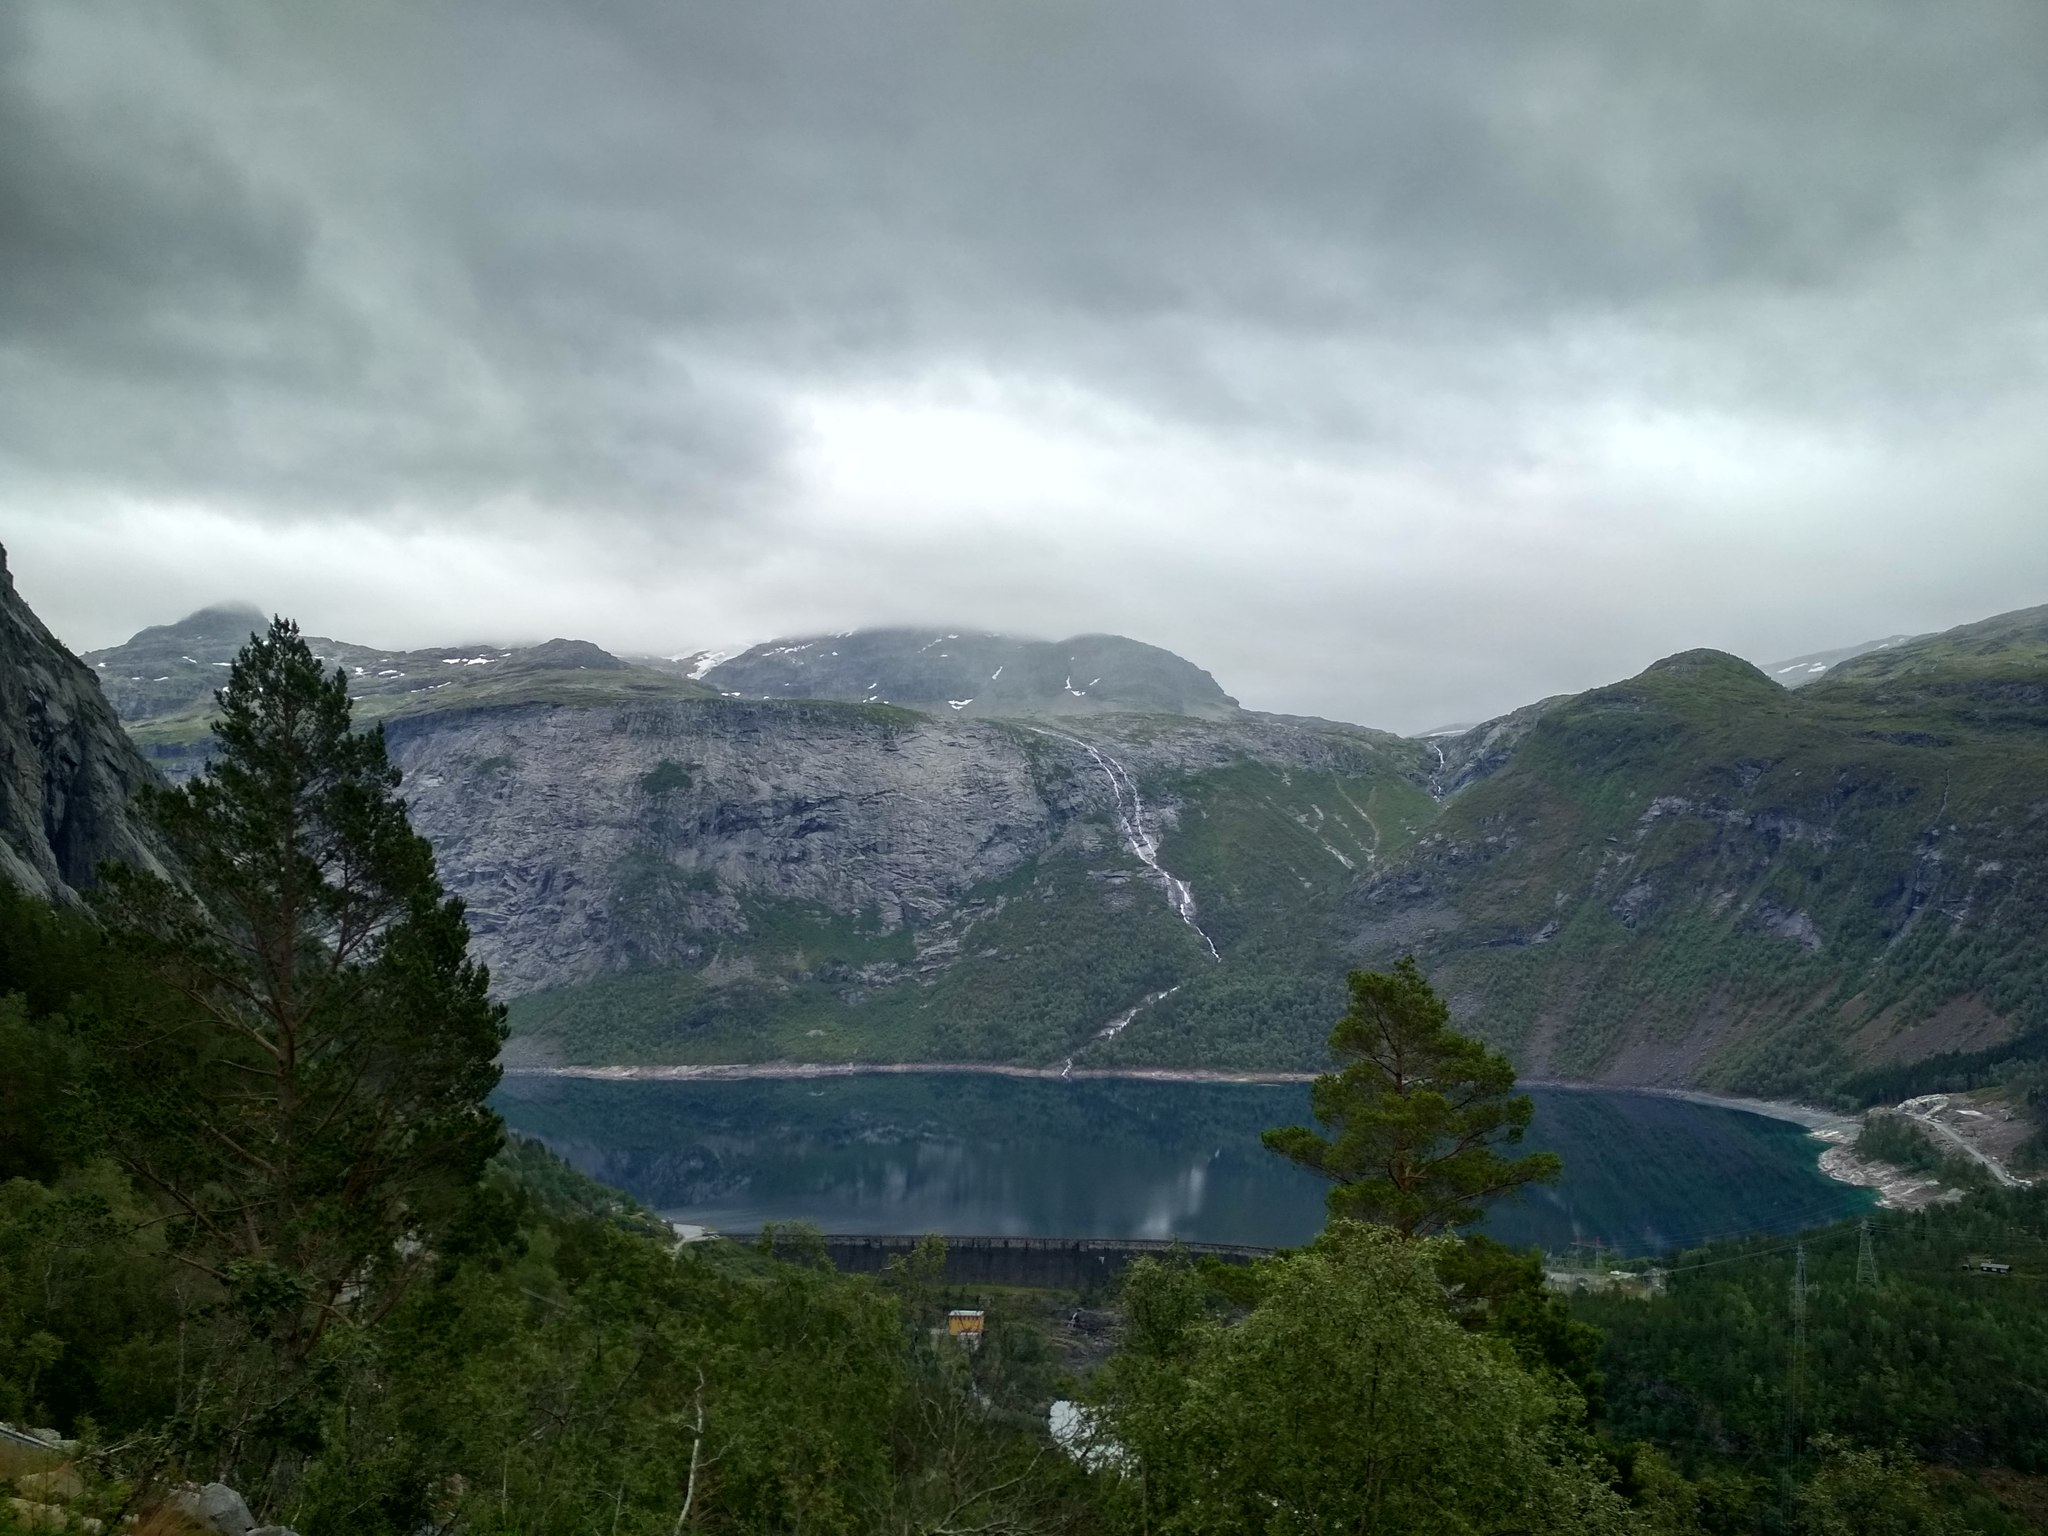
(923, 844)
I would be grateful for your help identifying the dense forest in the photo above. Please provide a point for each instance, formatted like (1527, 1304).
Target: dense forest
(1909, 1349)
(259, 1228)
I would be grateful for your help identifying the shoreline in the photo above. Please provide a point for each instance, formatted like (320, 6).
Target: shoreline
(1816, 1120)
(771, 1071)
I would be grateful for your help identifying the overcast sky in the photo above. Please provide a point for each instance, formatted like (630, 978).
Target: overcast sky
(1399, 362)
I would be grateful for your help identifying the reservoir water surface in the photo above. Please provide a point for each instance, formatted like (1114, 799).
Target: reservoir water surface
(994, 1156)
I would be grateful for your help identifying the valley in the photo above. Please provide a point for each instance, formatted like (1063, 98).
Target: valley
(805, 852)
(1023, 770)
(1040, 981)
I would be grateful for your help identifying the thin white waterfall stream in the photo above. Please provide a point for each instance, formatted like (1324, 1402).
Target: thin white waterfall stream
(1121, 1022)
(1139, 839)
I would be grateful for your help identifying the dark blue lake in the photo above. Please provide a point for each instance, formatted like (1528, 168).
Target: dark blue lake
(978, 1155)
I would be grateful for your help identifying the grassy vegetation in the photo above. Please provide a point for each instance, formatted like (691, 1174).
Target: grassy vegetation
(1274, 858)
(1992, 648)
(783, 1000)
(1038, 964)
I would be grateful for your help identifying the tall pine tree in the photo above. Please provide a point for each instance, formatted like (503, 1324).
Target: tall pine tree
(306, 1100)
(1419, 1114)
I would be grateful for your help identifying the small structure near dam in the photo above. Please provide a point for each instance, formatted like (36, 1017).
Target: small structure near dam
(1049, 1263)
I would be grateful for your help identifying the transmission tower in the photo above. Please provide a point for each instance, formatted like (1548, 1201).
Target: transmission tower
(1866, 1257)
(1795, 1395)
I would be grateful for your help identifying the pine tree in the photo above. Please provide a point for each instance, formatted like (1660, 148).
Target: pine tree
(1419, 1113)
(306, 1100)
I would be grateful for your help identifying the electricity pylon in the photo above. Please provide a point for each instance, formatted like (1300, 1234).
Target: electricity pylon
(1866, 1258)
(1795, 1395)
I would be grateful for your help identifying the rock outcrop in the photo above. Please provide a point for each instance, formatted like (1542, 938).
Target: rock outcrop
(586, 839)
(67, 770)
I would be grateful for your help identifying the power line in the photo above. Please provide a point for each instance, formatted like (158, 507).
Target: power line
(1794, 1222)
(1904, 1223)
(1754, 1253)
(1795, 1393)
(1866, 1257)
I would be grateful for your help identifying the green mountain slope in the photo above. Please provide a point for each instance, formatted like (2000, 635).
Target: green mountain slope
(1695, 876)
(2010, 645)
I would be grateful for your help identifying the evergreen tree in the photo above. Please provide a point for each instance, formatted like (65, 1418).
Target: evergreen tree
(1419, 1113)
(306, 1098)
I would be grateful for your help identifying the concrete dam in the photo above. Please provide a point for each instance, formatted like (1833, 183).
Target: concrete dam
(1051, 1263)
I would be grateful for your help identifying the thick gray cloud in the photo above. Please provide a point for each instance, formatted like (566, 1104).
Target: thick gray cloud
(1398, 361)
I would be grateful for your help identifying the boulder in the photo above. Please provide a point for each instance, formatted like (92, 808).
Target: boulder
(217, 1507)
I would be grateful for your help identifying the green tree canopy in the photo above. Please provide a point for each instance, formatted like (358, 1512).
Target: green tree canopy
(1859, 1491)
(1418, 1112)
(1348, 1400)
(304, 1095)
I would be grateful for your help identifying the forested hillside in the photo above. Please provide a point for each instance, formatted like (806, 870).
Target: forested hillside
(1695, 876)
(1911, 1350)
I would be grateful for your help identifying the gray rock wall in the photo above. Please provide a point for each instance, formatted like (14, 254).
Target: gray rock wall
(561, 827)
(585, 839)
(67, 769)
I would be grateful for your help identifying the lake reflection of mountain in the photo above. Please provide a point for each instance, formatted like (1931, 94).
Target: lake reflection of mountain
(969, 1154)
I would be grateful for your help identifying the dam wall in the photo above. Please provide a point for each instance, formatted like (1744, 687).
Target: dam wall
(1048, 1263)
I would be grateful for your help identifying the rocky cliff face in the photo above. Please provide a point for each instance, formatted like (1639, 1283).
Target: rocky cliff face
(584, 840)
(67, 770)
(744, 876)
(588, 840)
